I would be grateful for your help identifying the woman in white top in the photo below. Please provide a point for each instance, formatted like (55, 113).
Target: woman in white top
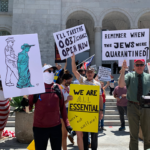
(4, 110)
(66, 81)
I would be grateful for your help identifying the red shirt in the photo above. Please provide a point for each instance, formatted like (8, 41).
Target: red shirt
(119, 91)
(103, 95)
(47, 111)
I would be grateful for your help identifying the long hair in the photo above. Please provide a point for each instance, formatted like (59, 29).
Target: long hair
(67, 75)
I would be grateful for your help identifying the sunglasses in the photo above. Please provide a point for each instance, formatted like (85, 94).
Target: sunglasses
(51, 71)
(139, 65)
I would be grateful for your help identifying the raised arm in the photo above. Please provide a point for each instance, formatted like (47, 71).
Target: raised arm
(74, 69)
(106, 85)
(122, 78)
(65, 65)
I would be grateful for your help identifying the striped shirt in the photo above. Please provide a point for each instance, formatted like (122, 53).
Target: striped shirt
(4, 110)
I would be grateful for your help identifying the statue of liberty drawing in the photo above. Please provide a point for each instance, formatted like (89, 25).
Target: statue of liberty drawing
(23, 67)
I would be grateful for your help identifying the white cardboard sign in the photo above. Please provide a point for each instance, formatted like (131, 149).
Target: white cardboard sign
(104, 74)
(73, 40)
(21, 68)
(120, 44)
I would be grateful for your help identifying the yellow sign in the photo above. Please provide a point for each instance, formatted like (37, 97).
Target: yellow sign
(31, 146)
(83, 110)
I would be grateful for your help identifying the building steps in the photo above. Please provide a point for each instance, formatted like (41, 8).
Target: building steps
(111, 117)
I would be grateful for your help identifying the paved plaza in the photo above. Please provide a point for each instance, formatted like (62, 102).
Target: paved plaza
(112, 139)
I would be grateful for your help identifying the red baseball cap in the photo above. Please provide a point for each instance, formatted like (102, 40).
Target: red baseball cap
(142, 60)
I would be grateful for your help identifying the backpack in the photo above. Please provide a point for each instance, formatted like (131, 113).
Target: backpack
(56, 90)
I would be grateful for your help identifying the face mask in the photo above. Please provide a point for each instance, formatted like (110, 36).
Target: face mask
(48, 77)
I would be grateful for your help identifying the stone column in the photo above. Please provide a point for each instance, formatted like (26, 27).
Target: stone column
(98, 46)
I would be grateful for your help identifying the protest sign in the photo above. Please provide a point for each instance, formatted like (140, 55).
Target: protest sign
(120, 44)
(84, 108)
(31, 146)
(57, 56)
(73, 40)
(120, 62)
(104, 74)
(21, 68)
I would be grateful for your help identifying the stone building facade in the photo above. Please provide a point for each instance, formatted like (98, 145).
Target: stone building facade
(48, 16)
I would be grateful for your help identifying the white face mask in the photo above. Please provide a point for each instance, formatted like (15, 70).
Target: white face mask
(48, 77)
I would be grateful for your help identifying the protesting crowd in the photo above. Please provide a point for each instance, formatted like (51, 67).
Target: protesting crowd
(52, 100)
(51, 108)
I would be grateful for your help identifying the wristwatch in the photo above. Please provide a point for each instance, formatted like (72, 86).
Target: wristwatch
(101, 110)
(120, 97)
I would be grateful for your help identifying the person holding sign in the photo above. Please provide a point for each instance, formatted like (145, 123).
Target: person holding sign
(66, 81)
(88, 81)
(48, 106)
(138, 84)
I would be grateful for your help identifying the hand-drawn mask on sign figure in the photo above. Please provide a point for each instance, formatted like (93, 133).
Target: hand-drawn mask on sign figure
(23, 67)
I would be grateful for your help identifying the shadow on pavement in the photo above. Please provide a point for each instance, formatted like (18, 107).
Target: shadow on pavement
(120, 133)
(73, 147)
(100, 134)
(11, 143)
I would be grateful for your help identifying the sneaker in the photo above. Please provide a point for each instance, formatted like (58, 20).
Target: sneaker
(103, 128)
(70, 137)
(122, 128)
(89, 145)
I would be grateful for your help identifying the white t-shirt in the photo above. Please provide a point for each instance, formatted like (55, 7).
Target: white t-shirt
(65, 93)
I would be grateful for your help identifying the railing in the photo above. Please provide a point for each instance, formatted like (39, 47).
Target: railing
(3, 5)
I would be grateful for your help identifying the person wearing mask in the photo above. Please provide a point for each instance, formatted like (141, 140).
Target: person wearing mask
(48, 106)
(4, 110)
(66, 81)
(120, 95)
(59, 73)
(103, 88)
(138, 84)
(88, 81)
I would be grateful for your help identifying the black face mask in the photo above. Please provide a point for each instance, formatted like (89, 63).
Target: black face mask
(51, 71)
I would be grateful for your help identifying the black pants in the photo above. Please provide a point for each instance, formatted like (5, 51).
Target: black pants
(41, 136)
(122, 111)
(111, 90)
(94, 139)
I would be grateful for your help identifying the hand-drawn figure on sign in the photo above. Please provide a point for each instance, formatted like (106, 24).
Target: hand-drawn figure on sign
(23, 67)
(11, 61)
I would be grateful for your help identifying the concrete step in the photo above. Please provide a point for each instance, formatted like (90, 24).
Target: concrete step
(111, 108)
(111, 112)
(10, 124)
(111, 100)
(11, 118)
(114, 122)
(113, 117)
(110, 103)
